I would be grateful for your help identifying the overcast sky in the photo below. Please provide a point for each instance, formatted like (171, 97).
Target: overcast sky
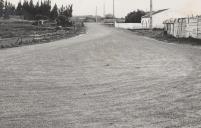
(122, 7)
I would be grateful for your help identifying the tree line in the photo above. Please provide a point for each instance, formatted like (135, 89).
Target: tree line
(6, 9)
(31, 11)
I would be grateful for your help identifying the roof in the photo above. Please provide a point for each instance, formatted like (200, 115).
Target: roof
(154, 13)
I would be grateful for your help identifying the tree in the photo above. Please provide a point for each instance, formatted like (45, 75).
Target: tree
(1, 7)
(63, 21)
(25, 10)
(28, 10)
(71, 10)
(9, 10)
(135, 16)
(31, 9)
(61, 10)
(64, 14)
(36, 9)
(54, 13)
(12, 9)
(6, 10)
(68, 11)
(45, 8)
(19, 9)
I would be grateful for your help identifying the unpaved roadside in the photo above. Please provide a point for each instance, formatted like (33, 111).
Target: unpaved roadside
(159, 34)
(106, 78)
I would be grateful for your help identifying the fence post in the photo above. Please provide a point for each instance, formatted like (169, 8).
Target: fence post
(75, 29)
(20, 43)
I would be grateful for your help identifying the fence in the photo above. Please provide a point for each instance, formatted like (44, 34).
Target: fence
(128, 25)
(184, 27)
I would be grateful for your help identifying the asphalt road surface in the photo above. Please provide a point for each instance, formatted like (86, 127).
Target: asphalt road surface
(106, 78)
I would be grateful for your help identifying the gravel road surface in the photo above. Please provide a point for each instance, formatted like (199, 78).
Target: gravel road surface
(106, 78)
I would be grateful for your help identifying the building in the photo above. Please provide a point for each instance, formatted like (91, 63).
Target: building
(159, 17)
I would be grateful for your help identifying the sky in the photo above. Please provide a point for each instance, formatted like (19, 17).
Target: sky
(123, 7)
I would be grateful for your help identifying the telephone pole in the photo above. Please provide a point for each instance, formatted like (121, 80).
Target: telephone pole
(151, 13)
(96, 14)
(104, 10)
(113, 9)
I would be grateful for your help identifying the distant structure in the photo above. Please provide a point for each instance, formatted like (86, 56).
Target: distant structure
(158, 17)
(109, 19)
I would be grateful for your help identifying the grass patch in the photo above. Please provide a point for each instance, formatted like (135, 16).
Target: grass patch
(159, 35)
(19, 33)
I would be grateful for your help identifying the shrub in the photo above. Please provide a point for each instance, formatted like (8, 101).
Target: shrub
(135, 16)
(63, 21)
(41, 17)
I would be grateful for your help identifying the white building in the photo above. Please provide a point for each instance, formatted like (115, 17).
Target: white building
(159, 17)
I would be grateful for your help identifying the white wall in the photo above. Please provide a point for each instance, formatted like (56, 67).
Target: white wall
(128, 25)
(159, 18)
(145, 22)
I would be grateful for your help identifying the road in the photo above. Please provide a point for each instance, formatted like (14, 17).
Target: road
(106, 78)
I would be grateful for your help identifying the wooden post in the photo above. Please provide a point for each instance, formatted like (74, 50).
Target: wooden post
(173, 29)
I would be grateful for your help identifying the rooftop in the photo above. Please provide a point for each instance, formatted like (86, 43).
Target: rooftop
(154, 13)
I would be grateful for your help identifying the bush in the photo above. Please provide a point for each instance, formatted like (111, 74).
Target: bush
(63, 21)
(135, 16)
(41, 17)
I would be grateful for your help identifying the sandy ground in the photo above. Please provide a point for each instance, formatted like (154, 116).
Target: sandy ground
(107, 78)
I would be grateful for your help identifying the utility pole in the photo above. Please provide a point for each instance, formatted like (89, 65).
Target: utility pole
(113, 9)
(104, 9)
(96, 14)
(151, 13)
